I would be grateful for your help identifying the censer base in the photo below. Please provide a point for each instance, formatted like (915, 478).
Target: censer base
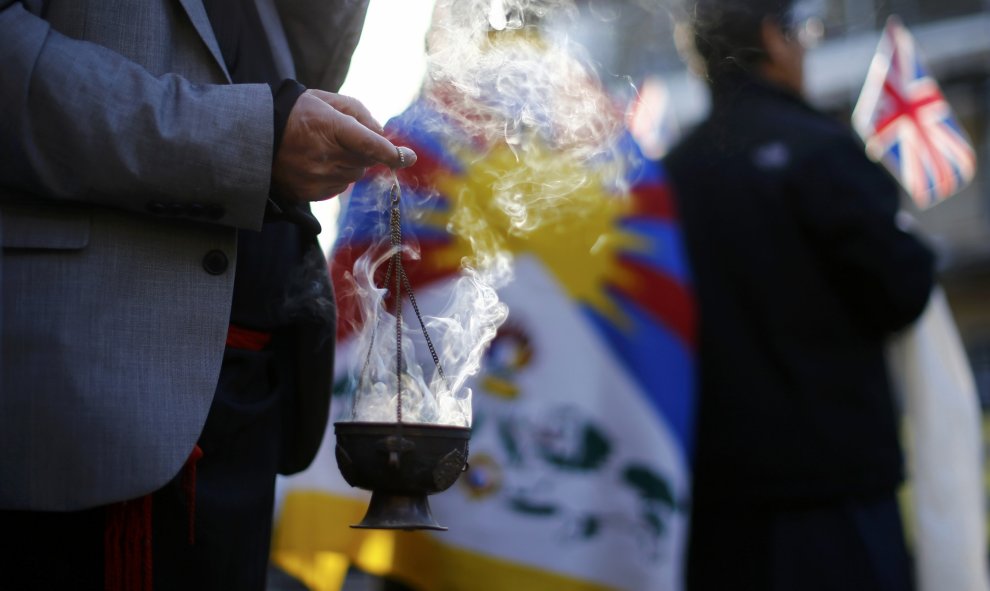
(393, 511)
(401, 464)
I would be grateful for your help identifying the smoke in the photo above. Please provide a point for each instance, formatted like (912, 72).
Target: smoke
(527, 77)
(523, 110)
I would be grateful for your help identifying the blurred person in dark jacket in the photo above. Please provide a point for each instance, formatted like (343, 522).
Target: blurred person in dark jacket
(801, 274)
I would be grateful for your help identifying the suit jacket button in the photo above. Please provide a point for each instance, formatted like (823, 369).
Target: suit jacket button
(215, 262)
(176, 209)
(195, 210)
(157, 207)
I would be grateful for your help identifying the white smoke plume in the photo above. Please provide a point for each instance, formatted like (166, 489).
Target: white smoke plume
(503, 74)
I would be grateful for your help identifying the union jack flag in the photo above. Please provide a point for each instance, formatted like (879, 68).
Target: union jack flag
(908, 125)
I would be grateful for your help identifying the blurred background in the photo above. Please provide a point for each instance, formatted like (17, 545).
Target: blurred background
(636, 41)
(637, 48)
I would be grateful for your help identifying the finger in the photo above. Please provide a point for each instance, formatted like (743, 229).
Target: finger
(350, 106)
(332, 191)
(353, 107)
(348, 175)
(406, 157)
(332, 175)
(322, 192)
(360, 141)
(343, 159)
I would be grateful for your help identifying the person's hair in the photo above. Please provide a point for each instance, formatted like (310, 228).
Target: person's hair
(727, 33)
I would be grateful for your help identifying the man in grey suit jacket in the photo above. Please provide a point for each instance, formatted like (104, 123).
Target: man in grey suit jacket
(129, 161)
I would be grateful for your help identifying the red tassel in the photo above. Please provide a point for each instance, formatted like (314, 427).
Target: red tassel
(239, 337)
(113, 558)
(128, 552)
(127, 546)
(147, 549)
(189, 486)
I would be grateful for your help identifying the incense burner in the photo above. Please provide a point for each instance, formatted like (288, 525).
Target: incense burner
(401, 464)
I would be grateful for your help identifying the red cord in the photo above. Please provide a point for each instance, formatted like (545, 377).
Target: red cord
(189, 485)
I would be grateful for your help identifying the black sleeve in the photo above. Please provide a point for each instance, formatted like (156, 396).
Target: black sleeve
(285, 95)
(847, 205)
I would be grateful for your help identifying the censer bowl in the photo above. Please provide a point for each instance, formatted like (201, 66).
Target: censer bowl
(401, 464)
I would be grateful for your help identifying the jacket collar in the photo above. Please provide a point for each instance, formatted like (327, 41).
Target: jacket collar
(729, 88)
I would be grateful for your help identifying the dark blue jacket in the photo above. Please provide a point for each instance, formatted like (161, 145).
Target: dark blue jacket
(801, 275)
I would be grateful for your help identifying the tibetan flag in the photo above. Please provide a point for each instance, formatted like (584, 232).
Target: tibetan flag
(908, 125)
(583, 405)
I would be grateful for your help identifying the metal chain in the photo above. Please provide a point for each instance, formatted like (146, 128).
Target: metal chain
(401, 281)
(378, 319)
(397, 241)
(426, 335)
(395, 227)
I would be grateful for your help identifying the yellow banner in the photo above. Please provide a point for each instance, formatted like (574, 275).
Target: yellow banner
(313, 541)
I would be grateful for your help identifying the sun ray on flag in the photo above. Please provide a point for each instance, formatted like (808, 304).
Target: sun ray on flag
(579, 247)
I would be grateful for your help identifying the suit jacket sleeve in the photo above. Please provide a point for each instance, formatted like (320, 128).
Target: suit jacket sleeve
(83, 123)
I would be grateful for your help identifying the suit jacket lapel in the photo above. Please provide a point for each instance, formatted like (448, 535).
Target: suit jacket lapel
(197, 14)
(272, 24)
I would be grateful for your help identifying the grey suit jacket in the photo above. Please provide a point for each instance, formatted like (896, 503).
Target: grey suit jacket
(127, 163)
